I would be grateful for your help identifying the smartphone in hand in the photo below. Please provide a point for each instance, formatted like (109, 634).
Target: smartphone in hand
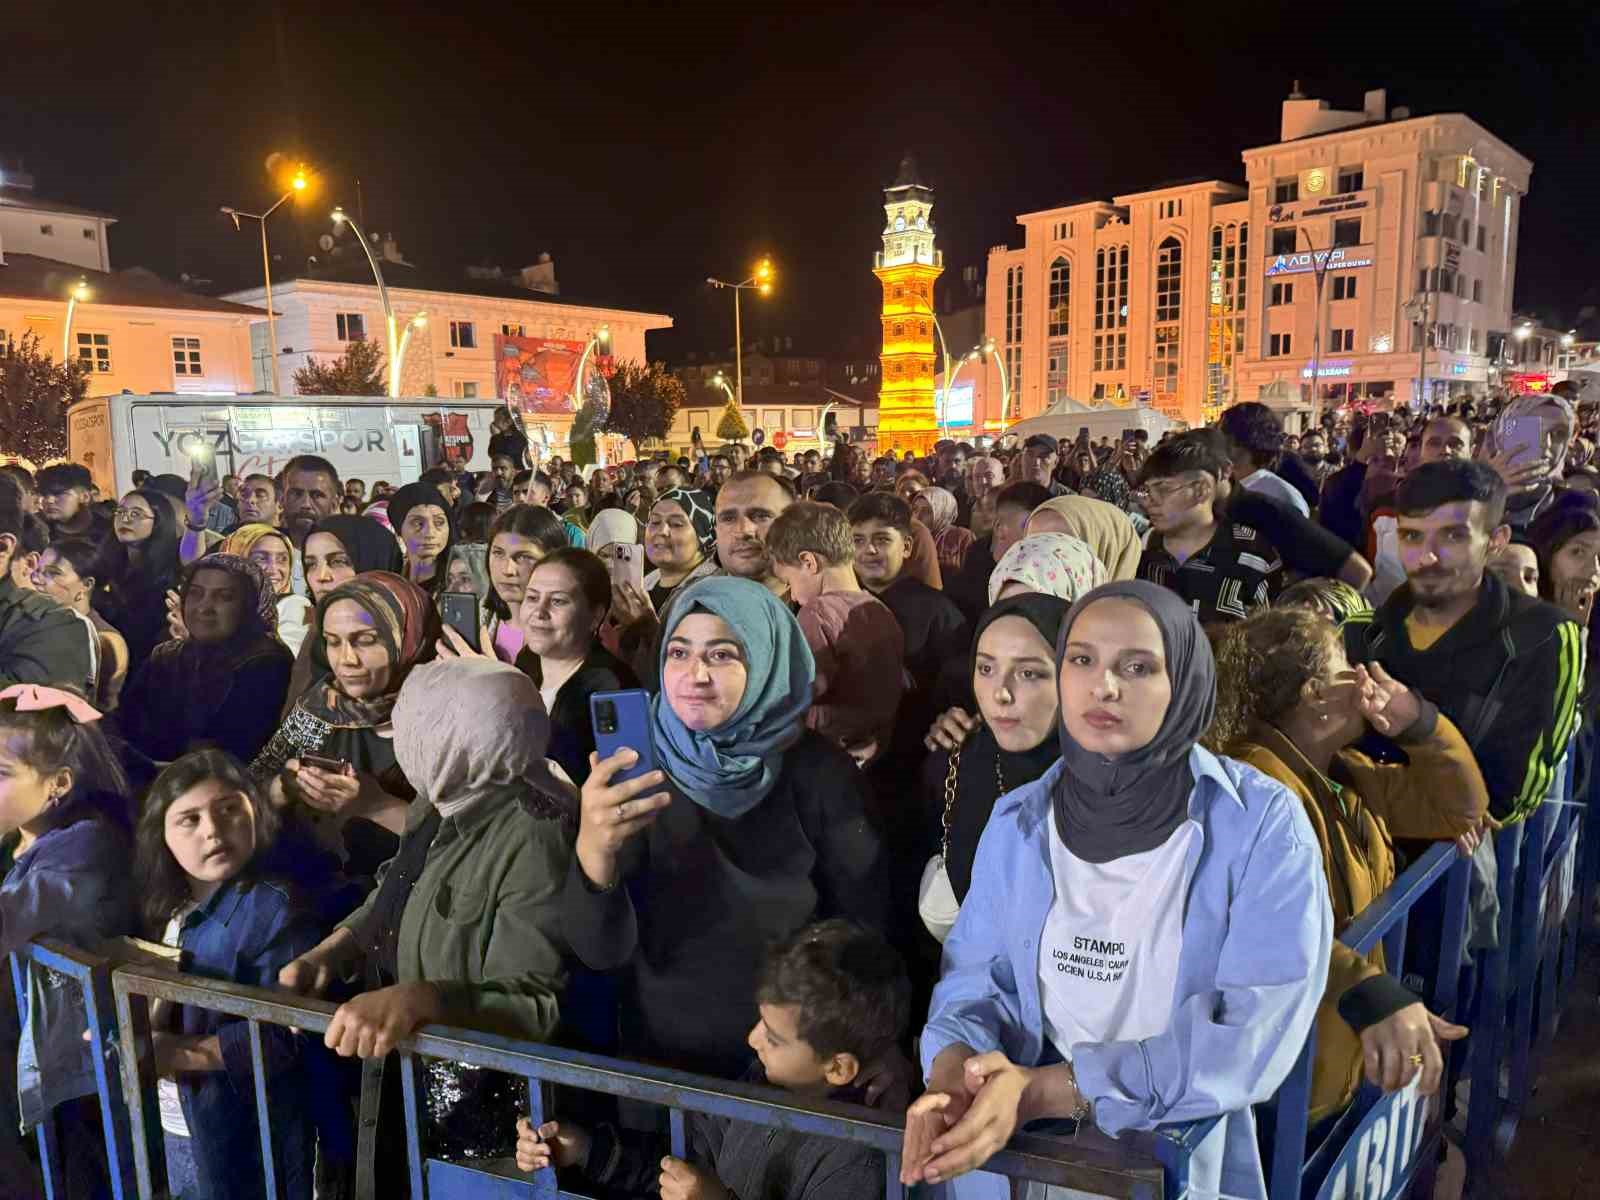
(622, 720)
(625, 563)
(461, 611)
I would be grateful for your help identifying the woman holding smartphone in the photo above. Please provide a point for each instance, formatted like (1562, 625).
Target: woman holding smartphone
(335, 751)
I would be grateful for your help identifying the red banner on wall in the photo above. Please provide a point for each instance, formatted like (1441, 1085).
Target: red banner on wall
(535, 375)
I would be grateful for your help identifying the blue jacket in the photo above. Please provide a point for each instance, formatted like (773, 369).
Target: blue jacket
(246, 932)
(1257, 930)
(72, 884)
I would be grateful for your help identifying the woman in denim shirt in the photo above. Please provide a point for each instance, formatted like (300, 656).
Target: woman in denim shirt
(201, 840)
(64, 817)
(1148, 930)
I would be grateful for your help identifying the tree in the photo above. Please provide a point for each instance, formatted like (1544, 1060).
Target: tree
(357, 372)
(35, 392)
(731, 428)
(644, 400)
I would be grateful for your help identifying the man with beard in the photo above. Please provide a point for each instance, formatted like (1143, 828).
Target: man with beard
(746, 507)
(1314, 453)
(1504, 667)
(310, 492)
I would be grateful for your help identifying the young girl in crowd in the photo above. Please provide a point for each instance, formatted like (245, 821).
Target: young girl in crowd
(141, 564)
(519, 538)
(201, 840)
(64, 824)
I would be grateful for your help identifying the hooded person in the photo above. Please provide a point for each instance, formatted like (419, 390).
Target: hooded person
(223, 683)
(1056, 564)
(612, 526)
(464, 929)
(369, 633)
(1556, 427)
(937, 508)
(1122, 900)
(423, 520)
(274, 552)
(741, 781)
(1104, 528)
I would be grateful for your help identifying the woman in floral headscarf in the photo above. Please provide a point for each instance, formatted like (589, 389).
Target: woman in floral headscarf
(368, 635)
(936, 508)
(223, 684)
(272, 551)
(679, 539)
(1055, 564)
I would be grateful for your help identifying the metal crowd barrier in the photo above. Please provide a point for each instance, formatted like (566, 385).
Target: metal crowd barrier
(1296, 1168)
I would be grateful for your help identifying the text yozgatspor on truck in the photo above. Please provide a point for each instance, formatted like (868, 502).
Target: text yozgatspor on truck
(364, 438)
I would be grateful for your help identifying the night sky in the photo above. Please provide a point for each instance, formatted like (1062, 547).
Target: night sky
(647, 149)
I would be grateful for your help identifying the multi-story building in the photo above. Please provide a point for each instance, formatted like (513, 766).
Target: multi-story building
(787, 394)
(1365, 252)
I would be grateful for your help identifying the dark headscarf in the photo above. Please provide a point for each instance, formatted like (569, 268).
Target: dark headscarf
(406, 623)
(1108, 808)
(409, 497)
(701, 511)
(370, 546)
(260, 609)
(986, 772)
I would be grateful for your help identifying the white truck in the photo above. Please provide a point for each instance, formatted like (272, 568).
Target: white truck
(367, 438)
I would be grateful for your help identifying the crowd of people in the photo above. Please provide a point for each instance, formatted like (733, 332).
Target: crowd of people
(990, 786)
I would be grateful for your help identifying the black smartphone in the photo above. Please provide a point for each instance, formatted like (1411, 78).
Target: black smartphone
(623, 719)
(1127, 434)
(333, 766)
(1083, 435)
(460, 611)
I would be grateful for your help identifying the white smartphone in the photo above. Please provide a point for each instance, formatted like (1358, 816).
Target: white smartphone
(625, 562)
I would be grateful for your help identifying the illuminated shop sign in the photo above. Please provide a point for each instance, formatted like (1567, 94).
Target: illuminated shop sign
(1336, 260)
(1328, 370)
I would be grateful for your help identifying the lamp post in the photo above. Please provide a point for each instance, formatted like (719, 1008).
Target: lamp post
(78, 295)
(761, 281)
(298, 184)
(340, 217)
(944, 400)
(1320, 273)
(721, 381)
(416, 322)
(986, 350)
(600, 339)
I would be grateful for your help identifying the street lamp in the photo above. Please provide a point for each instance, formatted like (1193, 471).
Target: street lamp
(599, 340)
(78, 295)
(417, 322)
(1320, 273)
(987, 352)
(761, 281)
(340, 217)
(721, 381)
(296, 185)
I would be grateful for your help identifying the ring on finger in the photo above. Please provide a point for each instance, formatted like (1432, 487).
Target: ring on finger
(1414, 1059)
(622, 812)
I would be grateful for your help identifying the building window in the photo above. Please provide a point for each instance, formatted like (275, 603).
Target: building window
(1060, 297)
(1013, 325)
(1351, 179)
(352, 327)
(48, 230)
(1477, 291)
(465, 389)
(1347, 232)
(1466, 232)
(1167, 209)
(1344, 287)
(1430, 224)
(94, 352)
(1449, 226)
(186, 356)
(88, 235)
(1225, 310)
(1286, 191)
(1111, 287)
(1055, 371)
(1279, 344)
(1165, 381)
(1483, 235)
(1340, 340)
(1284, 239)
(1169, 280)
(462, 335)
(1282, 293)
(512, 331)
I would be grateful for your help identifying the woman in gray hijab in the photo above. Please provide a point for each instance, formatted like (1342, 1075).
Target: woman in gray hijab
(464, 926)
(1147, 933)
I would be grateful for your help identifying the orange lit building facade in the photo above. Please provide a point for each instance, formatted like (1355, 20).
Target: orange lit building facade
(907, 267)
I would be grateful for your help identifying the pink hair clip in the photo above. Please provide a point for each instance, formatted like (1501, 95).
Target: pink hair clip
(33, 697)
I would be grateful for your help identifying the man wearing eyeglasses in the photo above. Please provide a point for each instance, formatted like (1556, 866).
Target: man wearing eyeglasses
(1223, 569)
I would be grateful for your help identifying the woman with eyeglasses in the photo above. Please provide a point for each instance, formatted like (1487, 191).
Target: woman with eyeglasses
(141, 564)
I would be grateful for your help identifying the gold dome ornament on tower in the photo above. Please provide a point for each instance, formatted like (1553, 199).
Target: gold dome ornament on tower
(907, 267)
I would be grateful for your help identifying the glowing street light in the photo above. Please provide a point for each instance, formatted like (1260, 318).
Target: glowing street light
(721, 381)
(987, 351)
(417, 322)
(79, 294)
(599, 340)
(340, 217)
(296, 185)
(761, 280)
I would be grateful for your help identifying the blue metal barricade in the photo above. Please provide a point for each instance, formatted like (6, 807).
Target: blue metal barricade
(1295, 1168)
(91, 975)
(1095, 1165)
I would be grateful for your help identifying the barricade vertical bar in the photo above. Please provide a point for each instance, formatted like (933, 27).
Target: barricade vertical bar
(1483, 1112)
(44, 1132)
(408, 1085)
(113, 1124)
(1292, 1111)
(133, 1026)
(258, 1066)
(1526, 943)
(892, 1190)
(1394, 946)
(679, 1138)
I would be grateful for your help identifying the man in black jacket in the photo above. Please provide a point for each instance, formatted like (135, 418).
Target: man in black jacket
(41, 641)
(1504, 667)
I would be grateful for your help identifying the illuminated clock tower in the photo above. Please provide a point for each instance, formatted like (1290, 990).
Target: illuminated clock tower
(907, 267)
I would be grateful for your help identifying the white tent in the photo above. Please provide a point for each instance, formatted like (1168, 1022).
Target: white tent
(1066, 416)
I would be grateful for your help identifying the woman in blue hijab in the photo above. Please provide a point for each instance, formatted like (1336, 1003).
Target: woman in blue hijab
(750, 828)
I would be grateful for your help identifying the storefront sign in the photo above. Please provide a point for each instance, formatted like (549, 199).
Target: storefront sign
(1329, 370)
(1279, 212)
(1336, 260)
(1336, 204)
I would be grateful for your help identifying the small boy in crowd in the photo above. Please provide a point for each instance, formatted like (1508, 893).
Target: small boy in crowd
(833, 997)
(855, 639)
